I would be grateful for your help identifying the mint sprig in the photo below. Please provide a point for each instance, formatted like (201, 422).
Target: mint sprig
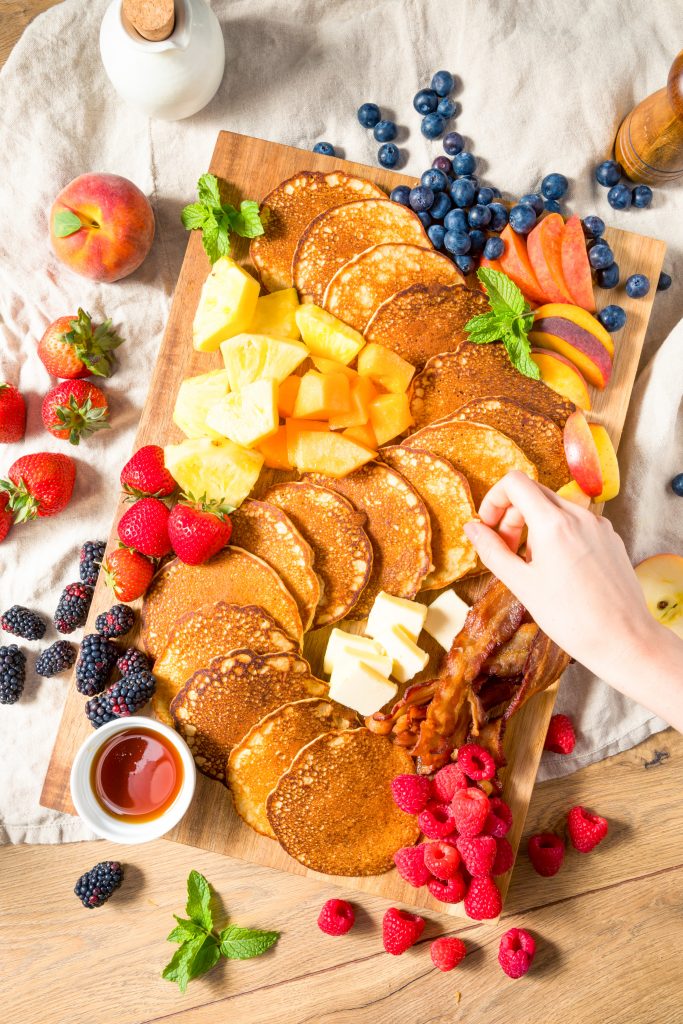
(216, 219)
(200, 945)
(509, 321)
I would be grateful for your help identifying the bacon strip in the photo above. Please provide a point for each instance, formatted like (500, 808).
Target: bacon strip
(510, 659)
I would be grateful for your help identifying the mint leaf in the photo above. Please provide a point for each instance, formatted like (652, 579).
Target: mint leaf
(518, 348)
(245, 943)
(250, 225)
(179, 966)
(208, 190)
(185, 930)
(483, 328)
(194, 216)
(66, 223)
(210, 240)
(198, 900)
(206, 957)
(503, 294)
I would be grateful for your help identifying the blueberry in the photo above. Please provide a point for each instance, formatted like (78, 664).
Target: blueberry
(637, 285)
(677, 485)
(446, 108)
(432, 126)
(421, 198)
(464, 163)
(554, 186)
(593, 226)
(619, 197)
(608, 277)
(477, 242)
(457, 242)
(463, 192)
(664, 282)
(465, 263)
(494, 248)
(499, 216)
(388, 154)
(435, 179)
(440, 206)
(369, 114)
(496, 192)
(485, 196)
(326, 148)
(600, 256)
(442, 83)
(453, 143)
(612, 318)
(436, 235)
(608, 173)
(552, 206)
(401, 194)
(425, 101)
(479, 216)
(534, 200)
(455, 220)
(442, 163)
(470, 177)
(522, 218)
(641, 196)
(425, 219)
(385, 131)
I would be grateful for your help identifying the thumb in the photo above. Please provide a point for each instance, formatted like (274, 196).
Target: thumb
(496, 555)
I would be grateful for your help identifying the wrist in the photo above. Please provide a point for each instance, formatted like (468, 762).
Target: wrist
(649, 670)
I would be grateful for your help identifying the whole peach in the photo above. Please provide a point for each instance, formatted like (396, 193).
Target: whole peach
(101, 226)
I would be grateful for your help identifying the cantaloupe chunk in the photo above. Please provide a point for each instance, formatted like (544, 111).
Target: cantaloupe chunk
(386, 367)
(226, 305)
(329, 453)
(295, 427)
(363, 392)
(327, 336)
(390, 416)
(250, 357)
(286, 396)
(214, 470)
(195, 397)
(248, 415)
(275, 314)
(322, 395)
(274, 450)
(332, 366)
(364, 435)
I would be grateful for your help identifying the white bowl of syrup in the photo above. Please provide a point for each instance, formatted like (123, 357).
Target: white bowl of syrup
(133, 780)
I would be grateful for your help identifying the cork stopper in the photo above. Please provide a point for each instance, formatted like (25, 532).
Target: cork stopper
(152, 19)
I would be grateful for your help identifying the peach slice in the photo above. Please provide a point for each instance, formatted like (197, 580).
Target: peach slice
(274, 450)
(661, 578)
(582, 454)
(562, 376)
(286, 395)
(515, 263)
(579, 316)
(572, 492)
(608, 462)
(544, 246)
(576, 269)
(577, 345)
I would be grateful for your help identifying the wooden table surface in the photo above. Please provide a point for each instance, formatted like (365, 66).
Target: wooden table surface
(609, 926)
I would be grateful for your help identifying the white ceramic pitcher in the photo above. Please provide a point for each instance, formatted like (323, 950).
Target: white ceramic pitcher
(170, 79)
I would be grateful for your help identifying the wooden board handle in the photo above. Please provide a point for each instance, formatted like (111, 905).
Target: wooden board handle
(152, 19)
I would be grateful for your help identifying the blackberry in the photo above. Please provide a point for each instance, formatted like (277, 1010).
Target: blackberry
(73, 607)
(132, 661)
(122, 699)
(23, 622)
(118, 621)
(90, 560)
(12, 674)
(54, 659)
(97, 658)
(96, 886)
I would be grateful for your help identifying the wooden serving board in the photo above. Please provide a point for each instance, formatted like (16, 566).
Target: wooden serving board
(251, 168)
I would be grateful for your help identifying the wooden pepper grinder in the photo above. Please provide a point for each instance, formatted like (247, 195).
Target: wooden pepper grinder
(152, 19)
(649, 143)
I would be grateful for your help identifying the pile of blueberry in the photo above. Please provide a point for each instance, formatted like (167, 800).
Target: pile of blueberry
(435, 105)
(525, 213)
(620, 196)
(384, 130)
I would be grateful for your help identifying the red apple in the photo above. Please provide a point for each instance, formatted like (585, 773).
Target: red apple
(582, 454)
(101, 226)
(661, 578)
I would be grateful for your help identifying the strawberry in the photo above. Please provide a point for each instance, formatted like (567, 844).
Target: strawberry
(128, 573)
(12, 414)
(144, 527)
(74, 409)
(198, 530)
(6, 517)
(71, 347)
(145, 475)
(39, 485)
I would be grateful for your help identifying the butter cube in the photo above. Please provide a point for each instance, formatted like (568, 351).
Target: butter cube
(388, 611)
(408, 658)
(446, 617)
(361, 687)
(341, 646)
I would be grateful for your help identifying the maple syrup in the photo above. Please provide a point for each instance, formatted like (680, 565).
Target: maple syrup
(136, 775)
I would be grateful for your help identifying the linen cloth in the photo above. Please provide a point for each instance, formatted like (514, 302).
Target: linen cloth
(543, 86)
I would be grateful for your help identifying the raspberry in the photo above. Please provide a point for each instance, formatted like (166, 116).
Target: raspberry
(560, 737)
(410, 864)
(586, 830)
(483, 901)
(446, 781)
(505, 858)
(118, 621)
(442, 859)
(132, 661)
(447, 952)
(470, 810)
(452, 891)
(516, 952)
(546, 853)
(499, 820)
(478, 854)
(437, 820)
(400, 930)
(337, 917)
(411, 792)
(476, 762)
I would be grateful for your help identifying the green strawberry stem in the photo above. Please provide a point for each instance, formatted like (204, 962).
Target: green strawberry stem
(24, 504)
(80, 420)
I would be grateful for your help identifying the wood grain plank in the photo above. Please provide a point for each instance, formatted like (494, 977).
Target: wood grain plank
(15, 15)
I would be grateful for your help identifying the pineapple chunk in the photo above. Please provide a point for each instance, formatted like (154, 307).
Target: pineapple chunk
(386, 367)
(327, 336)
(215, 470)
(286, 396)
(274, 450)
(226, 305)
(363, 392)
(322, 395)
(246, 416)
(295, 427)
(390, 416)
(196, 395)
(248, 357)
(325, 452)
(332, 366)
(274, 315)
